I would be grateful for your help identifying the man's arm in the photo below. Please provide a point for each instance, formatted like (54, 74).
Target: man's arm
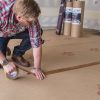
(8, 66)
(2, 57)
(37, 54)
(35, 37)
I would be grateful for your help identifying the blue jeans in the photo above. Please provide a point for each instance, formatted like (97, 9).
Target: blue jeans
(19, 50)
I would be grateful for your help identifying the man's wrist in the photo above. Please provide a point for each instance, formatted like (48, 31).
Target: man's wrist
(37, 68)
(4, 62)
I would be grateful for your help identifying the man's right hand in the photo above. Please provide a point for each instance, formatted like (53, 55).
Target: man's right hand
(9, 67)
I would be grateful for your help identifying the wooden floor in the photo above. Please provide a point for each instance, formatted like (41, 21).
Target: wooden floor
(72, 66)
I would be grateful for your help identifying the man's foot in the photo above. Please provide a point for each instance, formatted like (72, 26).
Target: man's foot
(21, 61)
(1, 66)
(42, 41)
(8, 52)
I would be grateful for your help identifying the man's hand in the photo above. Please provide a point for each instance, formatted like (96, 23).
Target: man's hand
(9, 67)
(38, 73)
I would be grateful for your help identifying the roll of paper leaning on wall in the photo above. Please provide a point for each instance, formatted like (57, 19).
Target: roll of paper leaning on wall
(68, 19)
(77, 18)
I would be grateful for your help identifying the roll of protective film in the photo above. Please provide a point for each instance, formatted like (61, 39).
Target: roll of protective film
(77, 18)
(60, 18)
(68, 18)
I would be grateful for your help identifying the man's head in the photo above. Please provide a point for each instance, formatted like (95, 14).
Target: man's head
(26, 11)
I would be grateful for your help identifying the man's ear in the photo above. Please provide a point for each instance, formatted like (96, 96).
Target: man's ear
(18, 18)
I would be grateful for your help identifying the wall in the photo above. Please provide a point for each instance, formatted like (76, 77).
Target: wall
(50, 9)
(92, 14)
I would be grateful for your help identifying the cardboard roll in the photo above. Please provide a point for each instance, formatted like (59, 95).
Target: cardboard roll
(13, 75)
(68, 18)
(77, 18)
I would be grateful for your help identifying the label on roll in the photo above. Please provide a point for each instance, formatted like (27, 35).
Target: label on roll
(13, 74)
(76, 16)
(68, 14)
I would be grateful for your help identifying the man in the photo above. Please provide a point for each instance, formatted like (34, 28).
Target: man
(19, 20)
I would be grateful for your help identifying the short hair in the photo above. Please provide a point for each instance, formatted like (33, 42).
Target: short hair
(26, 8)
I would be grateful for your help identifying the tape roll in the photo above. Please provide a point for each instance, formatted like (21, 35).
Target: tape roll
(13, 75)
